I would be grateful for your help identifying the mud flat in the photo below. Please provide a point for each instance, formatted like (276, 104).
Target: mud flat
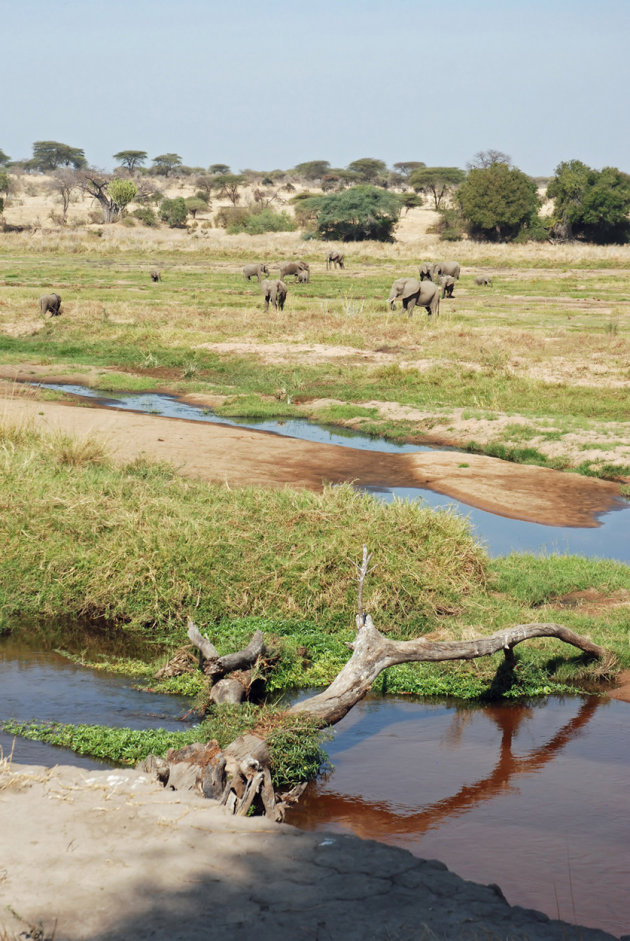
(111, 854)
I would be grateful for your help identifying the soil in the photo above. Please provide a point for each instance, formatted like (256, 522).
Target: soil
(242, 457)
(111, 854)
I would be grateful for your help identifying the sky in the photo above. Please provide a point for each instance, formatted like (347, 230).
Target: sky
(269, 85)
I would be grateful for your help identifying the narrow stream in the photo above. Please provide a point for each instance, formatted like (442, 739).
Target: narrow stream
(501, 535)
(532, 797)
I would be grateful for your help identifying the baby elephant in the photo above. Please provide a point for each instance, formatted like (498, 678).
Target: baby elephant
(303, 276)
(293, 267)
(335, 259)
(483, 279)
(448, 284)
(254, 271)
(50, 302)
(156, 274)
(274, 292)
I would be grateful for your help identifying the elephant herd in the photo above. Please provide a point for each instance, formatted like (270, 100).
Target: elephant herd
(437, 280)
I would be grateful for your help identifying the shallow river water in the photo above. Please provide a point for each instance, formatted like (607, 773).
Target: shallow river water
(534, 798)
(501, 535)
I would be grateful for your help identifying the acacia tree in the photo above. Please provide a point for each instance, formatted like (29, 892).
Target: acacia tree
(131, 158)
(227, 185)
(215, 168)
(112, 194)
(436, 181)
(165, 164)
(368, 170)
(50, 154)
(590, 204)
(497, 202)
(312, 169)
(406, 167)
(4, 159)
(361, 212)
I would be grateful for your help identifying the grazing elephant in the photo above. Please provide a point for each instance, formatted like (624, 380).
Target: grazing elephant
(294, 268)
(446, 267)
(274, 292)
(335, 259)
(50, 302)
(483, 279)
(448, 284)
(304, 276)
(424, 294)
(156, 274)
(254, 271)
(426, 271)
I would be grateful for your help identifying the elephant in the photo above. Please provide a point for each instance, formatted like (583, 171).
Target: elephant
(255, 271)
(50, 302)
(274, 291)
(446, 267)
(304, 276)
(156, 274)
(426, 271)
(294, 268)
(483, 279)
(448, 284)
(335, 259)
(415, 292)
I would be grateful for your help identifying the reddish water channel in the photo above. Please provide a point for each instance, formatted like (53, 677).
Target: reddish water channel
(534, 798)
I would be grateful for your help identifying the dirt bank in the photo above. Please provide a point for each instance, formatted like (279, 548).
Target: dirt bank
(240, 457)
(110, 854)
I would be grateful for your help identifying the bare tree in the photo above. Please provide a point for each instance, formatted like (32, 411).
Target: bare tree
(487, 158)
(64, 182)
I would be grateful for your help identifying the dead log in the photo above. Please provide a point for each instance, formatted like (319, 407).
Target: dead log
(216, 666)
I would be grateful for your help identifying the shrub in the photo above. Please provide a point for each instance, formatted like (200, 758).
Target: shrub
(121, 193)
(174, 212)
(590, 204)
(146, 215)
(450, 225)
(255, 223)
(230, 215)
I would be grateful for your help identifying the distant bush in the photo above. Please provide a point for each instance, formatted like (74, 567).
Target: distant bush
(230, 215)
(146, 215)
(255, 223)
(450, 226)
(174, 212)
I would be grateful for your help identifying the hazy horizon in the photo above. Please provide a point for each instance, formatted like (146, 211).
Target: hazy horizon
(267, 88)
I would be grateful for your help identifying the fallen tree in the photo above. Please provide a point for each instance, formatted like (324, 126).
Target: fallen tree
(240, 774)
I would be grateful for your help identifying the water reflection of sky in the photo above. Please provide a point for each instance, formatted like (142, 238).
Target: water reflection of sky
(499, 534)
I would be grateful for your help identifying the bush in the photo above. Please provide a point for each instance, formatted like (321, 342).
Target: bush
(450, 226)
(497, 202)
(230, 215)
(174, 212)
(590, 204)
(362, 212)
(146, 215)
(255, 223)
(121, 193)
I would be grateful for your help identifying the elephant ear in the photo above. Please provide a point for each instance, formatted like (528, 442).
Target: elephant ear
(412, 286)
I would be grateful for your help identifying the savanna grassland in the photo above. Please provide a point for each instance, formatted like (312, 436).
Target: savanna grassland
(535, 368)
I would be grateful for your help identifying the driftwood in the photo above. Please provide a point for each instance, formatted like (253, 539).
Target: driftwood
(238, 774)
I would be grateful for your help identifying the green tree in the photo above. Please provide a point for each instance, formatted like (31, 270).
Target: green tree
(174, 212)
(4, 187)
(50, 154)
(590, 204)
(312, 169)
(218, 168)
(406, 167)
(4, 159)
(195, 204)
(131, 158)
(165, 164)
(436, 181)
(122, 192)
(368, 170)
(227, 185)
(497, 202)
(361, 212)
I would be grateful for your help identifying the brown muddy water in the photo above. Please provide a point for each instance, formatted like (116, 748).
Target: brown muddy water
(532, 797)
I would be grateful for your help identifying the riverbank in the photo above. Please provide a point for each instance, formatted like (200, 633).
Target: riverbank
(109, 855)
(240, 457)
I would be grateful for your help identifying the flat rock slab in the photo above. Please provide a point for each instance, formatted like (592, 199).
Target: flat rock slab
(242, 457)
(111, 855)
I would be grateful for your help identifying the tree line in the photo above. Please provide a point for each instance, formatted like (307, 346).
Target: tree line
(492, 199)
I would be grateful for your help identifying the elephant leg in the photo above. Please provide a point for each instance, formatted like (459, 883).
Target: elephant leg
(409, 306)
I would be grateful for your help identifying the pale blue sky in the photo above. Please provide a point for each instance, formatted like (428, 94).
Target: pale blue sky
(270, 85)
